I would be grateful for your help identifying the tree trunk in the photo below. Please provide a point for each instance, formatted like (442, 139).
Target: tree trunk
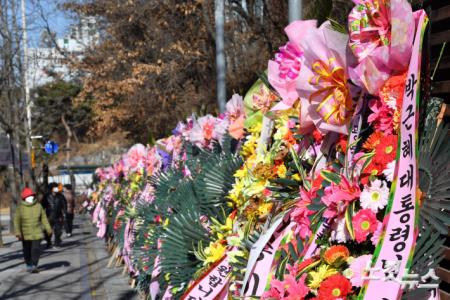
(69, 138)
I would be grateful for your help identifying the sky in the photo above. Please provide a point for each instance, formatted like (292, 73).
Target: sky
(58, 20)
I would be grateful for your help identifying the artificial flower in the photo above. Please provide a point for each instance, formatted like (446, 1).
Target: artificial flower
(337, 197)
(358, 269)
(300, 214)
(326, 99)
(386, 150)
(336, 254)
(373, 140)
(339, 232)
(214, 252)
(320, 274)
(334, 287)
(375, 196)
(389, 171)
(381, 37)
(284, 70)
(382, 116)
(364, 223)
(376, 234)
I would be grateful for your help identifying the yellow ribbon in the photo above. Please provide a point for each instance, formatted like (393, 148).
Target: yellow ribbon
(335, 100)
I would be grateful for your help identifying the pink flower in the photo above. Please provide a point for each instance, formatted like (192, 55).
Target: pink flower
(358, 269)
(203, 131)
(377, 233)
(285, 69)
(300, 215)
(235, 108)
(381, 37)
(326, 98)
(135, 158)
(276, 291)
(297, 290)
(364, 223)
(288, 289)
(338, 196)
(382, 116)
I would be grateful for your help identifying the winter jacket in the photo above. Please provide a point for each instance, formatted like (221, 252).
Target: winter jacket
(70, 201)
(29, 221)
(55, 206)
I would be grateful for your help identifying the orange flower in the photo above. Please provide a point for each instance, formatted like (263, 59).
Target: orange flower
(289, 138)
(373, 140)
(335, 254)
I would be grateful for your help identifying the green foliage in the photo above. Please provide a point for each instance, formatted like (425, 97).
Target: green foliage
(56, 99)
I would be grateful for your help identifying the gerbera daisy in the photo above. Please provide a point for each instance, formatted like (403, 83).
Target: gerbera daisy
(334, 287)
(373, 140)
(358, 269)
(375, 196)
(389, 171)
(364, 223)
(336, 254)
(386, 150)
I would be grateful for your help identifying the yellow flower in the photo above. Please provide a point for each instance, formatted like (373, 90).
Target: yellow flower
(214, 252)
(297, 177)
(323, 272)
(281, 171)
(241, 173)
(264, 209)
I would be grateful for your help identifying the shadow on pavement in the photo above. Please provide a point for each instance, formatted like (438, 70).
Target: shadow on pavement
(53, 265)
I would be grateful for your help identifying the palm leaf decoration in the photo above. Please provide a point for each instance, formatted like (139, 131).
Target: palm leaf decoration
(434, 217)
(186, 201)
(434, 175)
(214, 182)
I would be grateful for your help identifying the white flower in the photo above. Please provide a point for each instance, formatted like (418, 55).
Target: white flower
(339, 232)
(375, 196)
(389, 171)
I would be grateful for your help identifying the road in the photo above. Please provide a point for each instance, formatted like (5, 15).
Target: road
(75, 271)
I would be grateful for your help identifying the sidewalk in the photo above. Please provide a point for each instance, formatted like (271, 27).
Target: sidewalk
(75, 271)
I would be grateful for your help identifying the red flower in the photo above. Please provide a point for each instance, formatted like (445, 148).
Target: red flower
(386, 150)
(342, 143)
(317, 135)
(334, 287)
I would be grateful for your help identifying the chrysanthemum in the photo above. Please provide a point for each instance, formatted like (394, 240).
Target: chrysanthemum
(316, 277)
(336, 253)
(364, 223)
(375, 196)
(358, 269)
(334, 287)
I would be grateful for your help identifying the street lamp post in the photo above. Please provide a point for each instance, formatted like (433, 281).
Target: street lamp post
(219, 16)
(295, 10)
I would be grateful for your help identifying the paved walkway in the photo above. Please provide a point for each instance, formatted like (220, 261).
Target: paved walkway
(75, 271)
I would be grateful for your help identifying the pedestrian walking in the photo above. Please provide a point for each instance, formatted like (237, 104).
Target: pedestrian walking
(29, 221)
(55, 207)
(70, 199)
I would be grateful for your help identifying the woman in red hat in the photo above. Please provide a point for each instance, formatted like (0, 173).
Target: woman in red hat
(29, 220)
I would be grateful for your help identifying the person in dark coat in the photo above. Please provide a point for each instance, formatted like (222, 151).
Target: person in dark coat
(70, 199)
(55, 207)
